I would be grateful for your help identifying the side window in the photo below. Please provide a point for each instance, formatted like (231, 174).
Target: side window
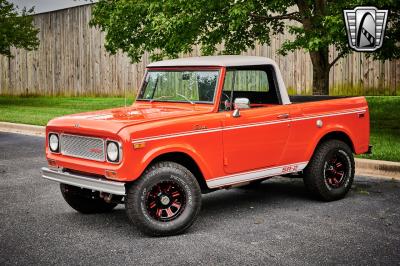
(257, 85)
(246, 80)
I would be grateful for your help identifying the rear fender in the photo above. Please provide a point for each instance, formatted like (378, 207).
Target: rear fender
(324, 132)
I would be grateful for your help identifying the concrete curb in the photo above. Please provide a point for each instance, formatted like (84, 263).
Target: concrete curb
(22, 129)
(378, 168)
(366, 167)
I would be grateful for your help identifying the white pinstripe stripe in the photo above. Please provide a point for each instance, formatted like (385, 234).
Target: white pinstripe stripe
(254, 175)
(217, 129)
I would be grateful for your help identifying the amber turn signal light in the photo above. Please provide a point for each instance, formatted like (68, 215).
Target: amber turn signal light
(139, 145)
(111, 174)
(52, 162)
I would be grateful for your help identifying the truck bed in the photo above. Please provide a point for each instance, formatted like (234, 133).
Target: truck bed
(304, 99)
(264, 98)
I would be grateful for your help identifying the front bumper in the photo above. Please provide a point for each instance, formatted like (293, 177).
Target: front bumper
(83, 181)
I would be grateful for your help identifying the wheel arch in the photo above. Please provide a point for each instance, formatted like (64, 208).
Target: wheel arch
(182, 157)
(185, 160)
(330, 135)
(337, 135)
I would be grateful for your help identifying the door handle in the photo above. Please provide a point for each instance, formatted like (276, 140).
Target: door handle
(283, 116)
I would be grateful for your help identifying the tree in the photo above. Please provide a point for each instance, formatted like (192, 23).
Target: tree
(165, 28)
(16, 29)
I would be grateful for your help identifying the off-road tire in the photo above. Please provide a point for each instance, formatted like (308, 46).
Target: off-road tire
(139, 210)
(84, 200)
(315, 174)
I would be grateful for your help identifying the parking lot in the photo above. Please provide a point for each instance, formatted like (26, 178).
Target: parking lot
(275, 223)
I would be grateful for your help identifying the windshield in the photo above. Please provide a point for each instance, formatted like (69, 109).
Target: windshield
(192, 86)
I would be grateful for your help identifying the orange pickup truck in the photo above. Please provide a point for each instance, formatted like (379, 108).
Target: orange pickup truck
(197, 125)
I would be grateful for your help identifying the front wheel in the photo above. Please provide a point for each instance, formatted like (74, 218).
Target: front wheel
(165, 200)
(330, 173)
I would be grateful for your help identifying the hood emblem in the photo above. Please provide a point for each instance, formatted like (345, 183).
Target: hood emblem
(76, 125)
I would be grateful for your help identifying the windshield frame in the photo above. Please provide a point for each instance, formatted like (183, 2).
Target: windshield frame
(192, 68)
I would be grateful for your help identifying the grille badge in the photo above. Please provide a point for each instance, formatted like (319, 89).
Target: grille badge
(95, 150)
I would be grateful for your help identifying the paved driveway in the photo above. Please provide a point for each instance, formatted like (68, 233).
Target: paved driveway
(277, 223)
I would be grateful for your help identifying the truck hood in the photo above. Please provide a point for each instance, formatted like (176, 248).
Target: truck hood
(113, 120)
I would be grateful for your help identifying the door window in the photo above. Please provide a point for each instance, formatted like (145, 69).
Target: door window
(257, 85)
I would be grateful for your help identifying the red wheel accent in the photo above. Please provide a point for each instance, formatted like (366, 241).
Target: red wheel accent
(336, 170)
(165, 201)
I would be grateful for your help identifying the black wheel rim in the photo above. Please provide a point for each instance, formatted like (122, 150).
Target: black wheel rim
(336, 170)
(165, 201)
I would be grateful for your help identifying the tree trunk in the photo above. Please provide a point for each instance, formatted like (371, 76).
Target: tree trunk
(320, 80)
(321, 69)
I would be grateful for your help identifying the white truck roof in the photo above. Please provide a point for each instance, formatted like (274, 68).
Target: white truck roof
(228, 61)
(223, 60)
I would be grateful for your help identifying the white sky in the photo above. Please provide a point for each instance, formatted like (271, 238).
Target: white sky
(42, 6)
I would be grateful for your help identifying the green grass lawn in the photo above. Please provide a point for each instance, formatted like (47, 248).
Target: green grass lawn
(385, 124)
(39, 110)
(385, 128)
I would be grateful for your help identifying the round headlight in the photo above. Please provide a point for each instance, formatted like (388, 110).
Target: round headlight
(53, 142)
(112, 151)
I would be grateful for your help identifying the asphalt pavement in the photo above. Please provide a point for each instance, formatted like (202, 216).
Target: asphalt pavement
(275, 223)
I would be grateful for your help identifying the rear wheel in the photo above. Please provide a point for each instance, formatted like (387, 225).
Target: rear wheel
(330, 173)
(165, 200)
(85, 200)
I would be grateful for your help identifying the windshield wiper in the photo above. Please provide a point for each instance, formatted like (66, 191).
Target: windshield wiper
(185, 98)
(161, 97)
(170, 96)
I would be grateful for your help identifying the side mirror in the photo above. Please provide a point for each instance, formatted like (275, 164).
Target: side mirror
(240, 103)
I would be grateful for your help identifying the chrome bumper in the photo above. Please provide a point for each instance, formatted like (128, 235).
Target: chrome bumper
(98, 184)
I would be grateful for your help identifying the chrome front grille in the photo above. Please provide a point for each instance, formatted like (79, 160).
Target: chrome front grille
(82, 147)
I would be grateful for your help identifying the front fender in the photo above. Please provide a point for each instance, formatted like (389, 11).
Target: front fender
(181, 148)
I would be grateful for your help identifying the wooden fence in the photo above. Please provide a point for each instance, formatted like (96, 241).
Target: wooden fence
(72, 60)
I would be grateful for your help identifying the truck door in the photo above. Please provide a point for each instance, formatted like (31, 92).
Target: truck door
(257, 138)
